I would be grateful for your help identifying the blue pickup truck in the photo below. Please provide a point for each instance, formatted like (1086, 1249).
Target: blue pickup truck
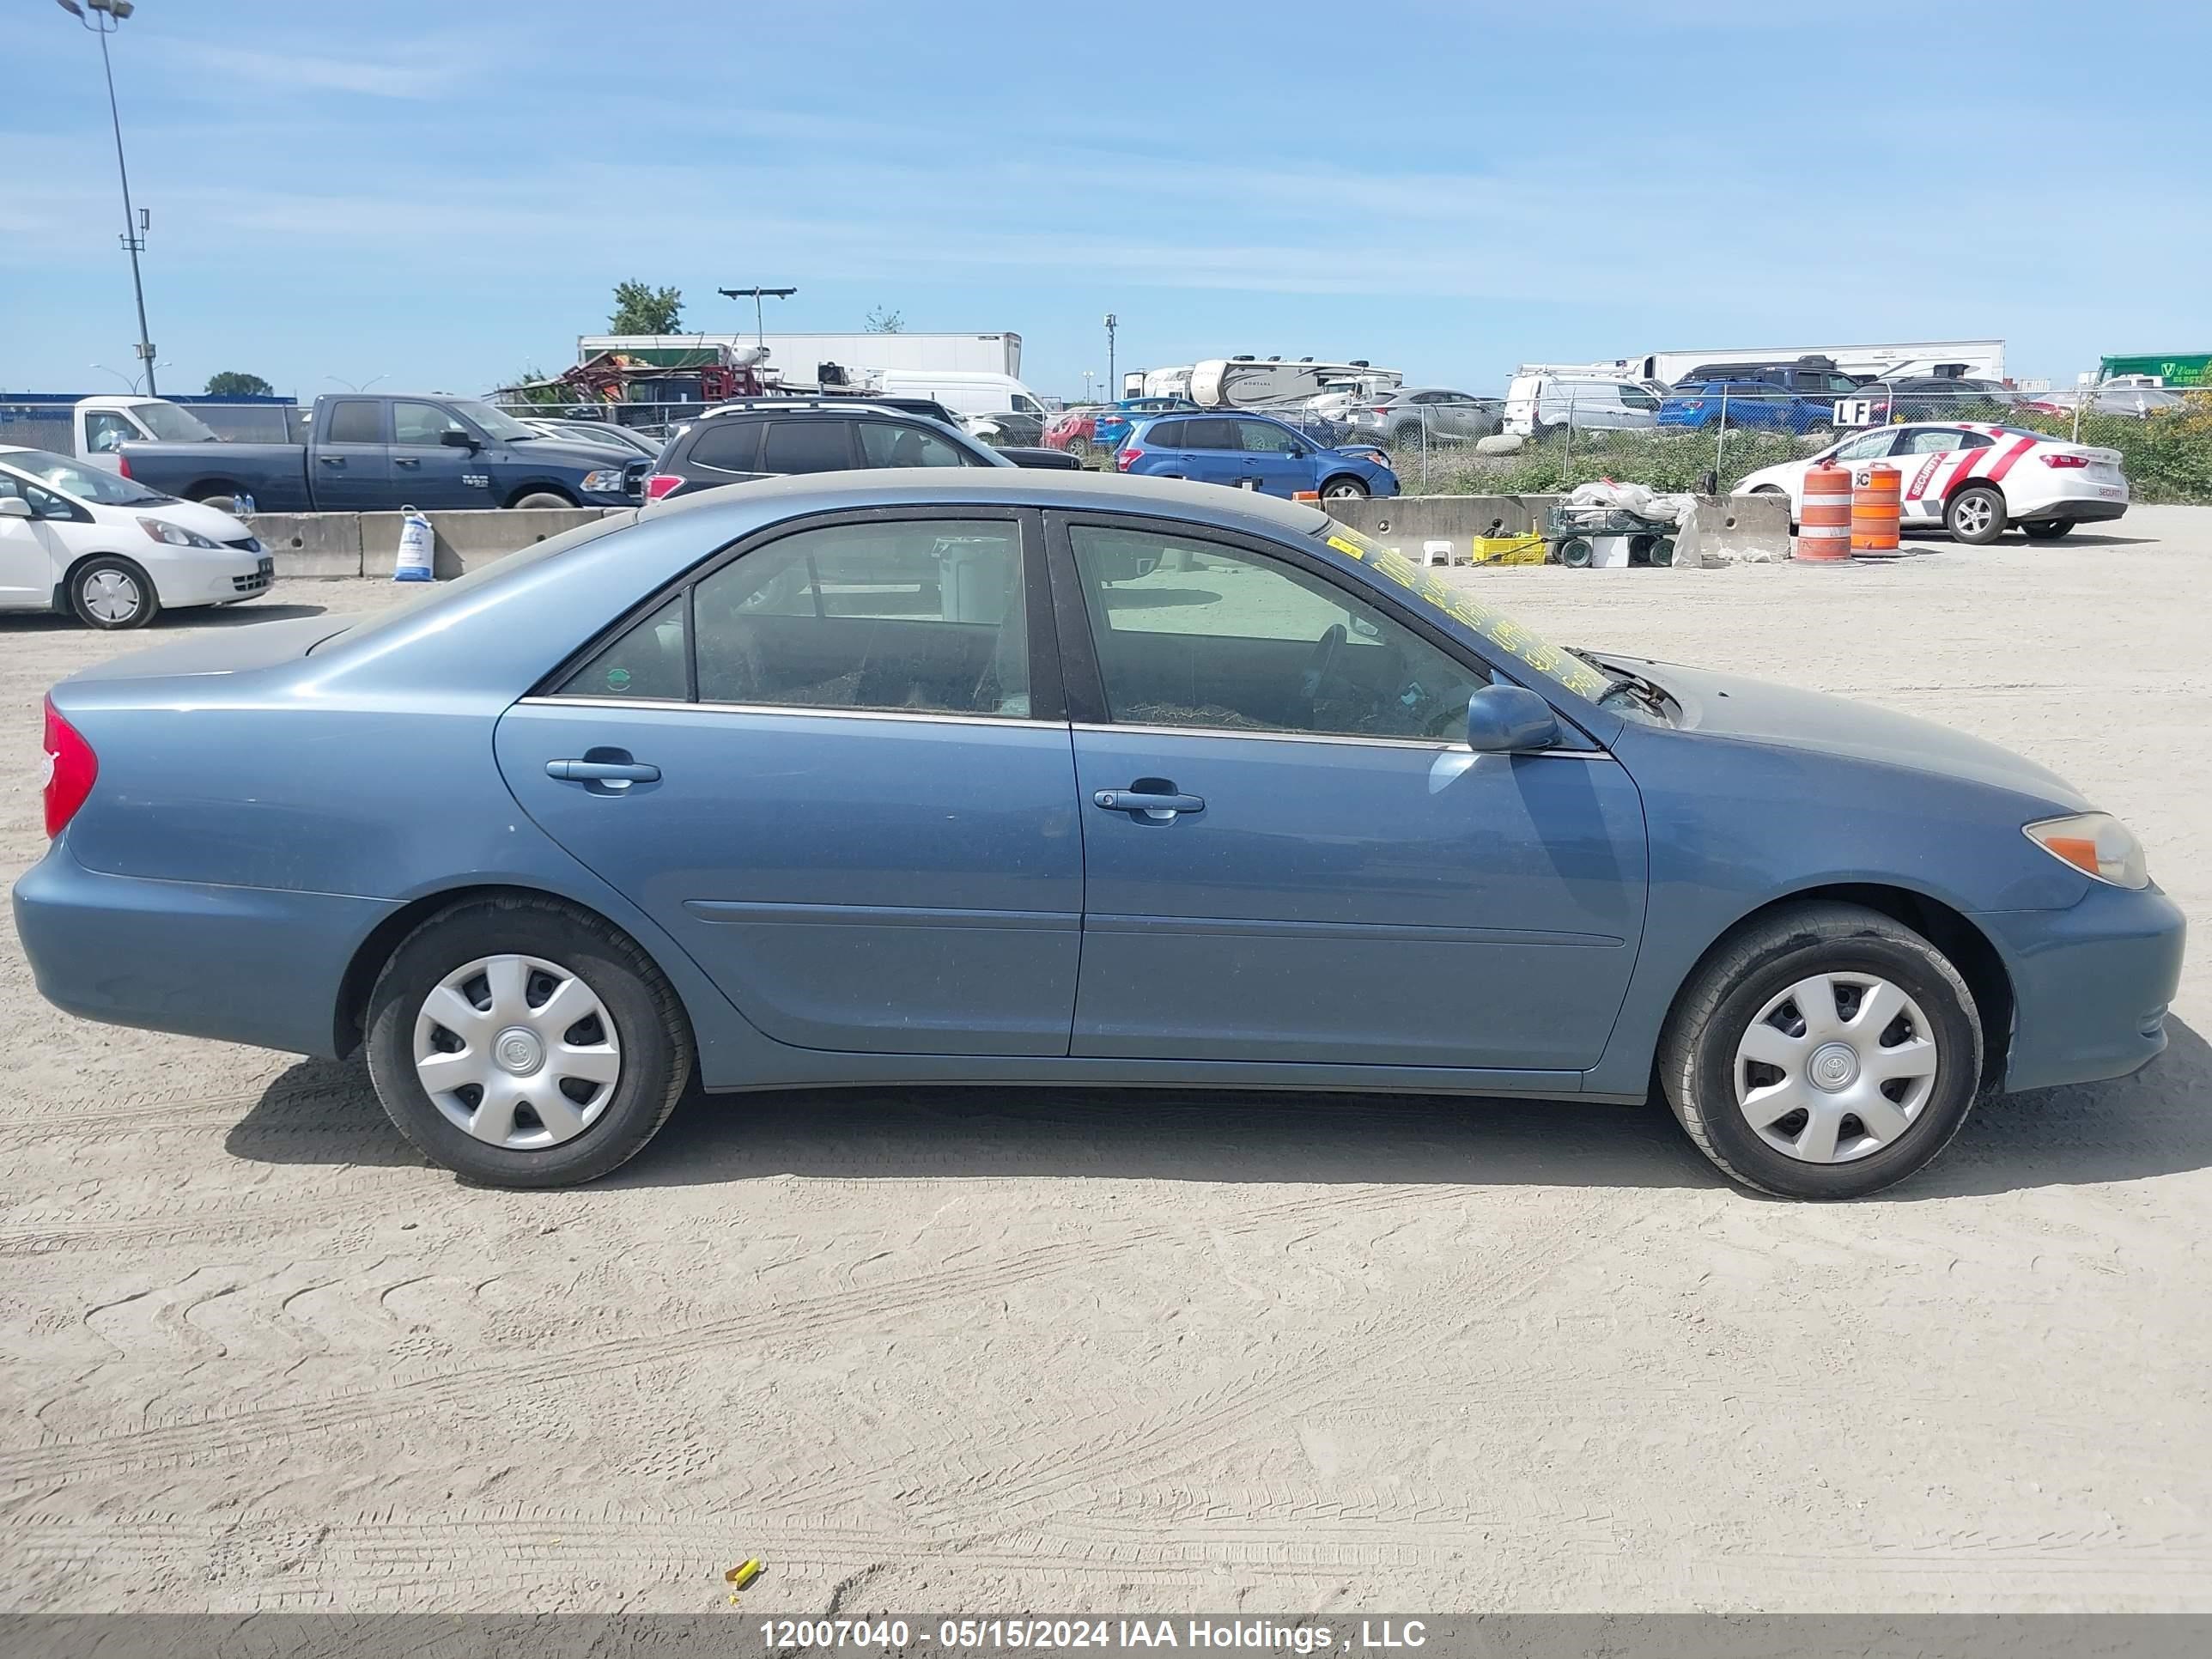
(368, 454)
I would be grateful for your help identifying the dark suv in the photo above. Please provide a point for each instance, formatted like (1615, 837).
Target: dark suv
(768, 437)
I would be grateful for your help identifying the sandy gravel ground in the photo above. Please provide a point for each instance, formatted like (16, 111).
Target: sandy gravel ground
(980, 1352)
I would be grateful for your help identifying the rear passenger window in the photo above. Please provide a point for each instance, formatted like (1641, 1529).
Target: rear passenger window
(728, 446)
(926, 615)
(354, 423)
(807, 446)
(646, 661)
(1208, 434)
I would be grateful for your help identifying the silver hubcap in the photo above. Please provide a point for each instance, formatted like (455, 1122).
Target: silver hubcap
(1835, 1068)
(516, 1051)
(1341, 492)
(1974, 513)
(111, 595)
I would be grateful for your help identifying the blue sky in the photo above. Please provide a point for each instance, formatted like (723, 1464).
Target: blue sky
(441, 194)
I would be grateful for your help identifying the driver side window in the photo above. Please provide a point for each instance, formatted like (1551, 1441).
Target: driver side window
(1872, 446)
(1193, 634)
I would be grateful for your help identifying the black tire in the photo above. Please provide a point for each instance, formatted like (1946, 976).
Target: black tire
(650, 1026)
(1343, 487)
(1963, 515)
(2047, 530)
(1407, 434)
(98, 588)
(542, 498)
(1715, 1008)
(1576, 552)
(222, 499)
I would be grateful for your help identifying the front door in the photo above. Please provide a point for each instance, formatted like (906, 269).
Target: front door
(852, 812)
(427, 470)
(1276, 459)
(350, 463)
(1290, 852)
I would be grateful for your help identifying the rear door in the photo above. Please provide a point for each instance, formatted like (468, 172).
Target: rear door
(350, 462)
(1930, 460)
(824, 444)
(426, 470)
(31, 559)
(1211, 450)
(836, 768)
(1290, 852)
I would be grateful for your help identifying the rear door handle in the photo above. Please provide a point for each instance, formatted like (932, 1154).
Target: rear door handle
(406, 460)
(332, 460)
(1135, 801)
(592, 771)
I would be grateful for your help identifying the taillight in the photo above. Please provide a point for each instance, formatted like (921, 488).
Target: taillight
(70, 768)
(662, 485)
(2059, 458)
(1125, 457)
(123, 462)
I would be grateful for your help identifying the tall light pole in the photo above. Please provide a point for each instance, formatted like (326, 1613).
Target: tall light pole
(106, 15)
(1113, 386)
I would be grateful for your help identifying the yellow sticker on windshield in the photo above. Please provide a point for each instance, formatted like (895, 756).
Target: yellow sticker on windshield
(1349, 548)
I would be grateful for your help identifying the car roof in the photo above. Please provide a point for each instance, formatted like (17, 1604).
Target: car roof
(937, 486)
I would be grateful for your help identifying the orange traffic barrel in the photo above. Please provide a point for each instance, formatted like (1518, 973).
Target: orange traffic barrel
(1874, 509)
(1823, 520)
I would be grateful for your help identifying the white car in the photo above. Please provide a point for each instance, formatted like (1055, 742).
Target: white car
(1971, 480)
(111, 552)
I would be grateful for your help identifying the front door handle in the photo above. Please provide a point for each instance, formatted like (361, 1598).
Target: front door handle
(332, 460)
(406, 460)
(596, 771)
(1160, 806)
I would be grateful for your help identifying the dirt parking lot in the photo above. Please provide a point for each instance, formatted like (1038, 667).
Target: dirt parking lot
(1077, 1351)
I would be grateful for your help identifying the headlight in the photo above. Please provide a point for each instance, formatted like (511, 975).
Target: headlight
(175, 534)
(2095, 843)
(607, 481)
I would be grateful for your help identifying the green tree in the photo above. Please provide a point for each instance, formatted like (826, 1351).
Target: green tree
(884, 320)
(642, 310)
(233, 383)
(521, 391)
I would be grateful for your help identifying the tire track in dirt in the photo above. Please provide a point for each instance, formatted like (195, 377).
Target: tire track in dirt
(808, 1319)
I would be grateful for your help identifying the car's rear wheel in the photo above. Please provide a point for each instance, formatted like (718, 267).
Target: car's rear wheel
(111, 593)
(1407, 434)
(2047, 530)
(1976, 515)
(521, 1043)
(1826, 1051)
(1342, 488)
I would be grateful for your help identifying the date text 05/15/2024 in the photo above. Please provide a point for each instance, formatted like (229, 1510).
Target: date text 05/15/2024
(1049, 1635)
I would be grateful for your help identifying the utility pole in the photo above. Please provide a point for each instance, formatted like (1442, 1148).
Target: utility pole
(106, 15)
(1113, 386)
(760, 328)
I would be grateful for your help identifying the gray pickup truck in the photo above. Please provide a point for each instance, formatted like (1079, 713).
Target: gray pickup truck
(374, 454)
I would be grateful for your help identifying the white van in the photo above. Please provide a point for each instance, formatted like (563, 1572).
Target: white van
(964, 391)
(1538, 403)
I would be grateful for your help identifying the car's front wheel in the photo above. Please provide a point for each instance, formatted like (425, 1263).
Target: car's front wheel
(521, 1043)
(111, 593)
(1976, 515)
(1825, 1052)
(1342, 488)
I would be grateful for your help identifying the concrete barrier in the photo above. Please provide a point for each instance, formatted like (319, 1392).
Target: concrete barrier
(1729, 528)
(311, 543)
(465, 539)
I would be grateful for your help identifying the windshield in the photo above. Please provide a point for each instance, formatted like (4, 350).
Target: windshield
(492, 423)
(85, 482)
(1495, 630)
(173, 425)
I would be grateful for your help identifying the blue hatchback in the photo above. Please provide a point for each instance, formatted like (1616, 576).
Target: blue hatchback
(1253, 452)
(1753, 406)
(978, 775)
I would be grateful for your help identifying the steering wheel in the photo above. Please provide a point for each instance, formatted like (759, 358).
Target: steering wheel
(1317, 664)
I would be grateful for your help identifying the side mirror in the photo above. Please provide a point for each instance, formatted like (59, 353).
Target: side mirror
(15, 506)
(1510, 720)
(453, 440)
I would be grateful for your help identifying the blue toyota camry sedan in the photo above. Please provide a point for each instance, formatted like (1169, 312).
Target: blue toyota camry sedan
(986, 776)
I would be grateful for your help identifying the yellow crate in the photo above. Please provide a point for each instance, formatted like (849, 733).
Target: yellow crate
(1509, 550)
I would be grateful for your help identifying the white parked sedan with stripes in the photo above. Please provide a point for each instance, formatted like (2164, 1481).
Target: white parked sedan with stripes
(1971, 480)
